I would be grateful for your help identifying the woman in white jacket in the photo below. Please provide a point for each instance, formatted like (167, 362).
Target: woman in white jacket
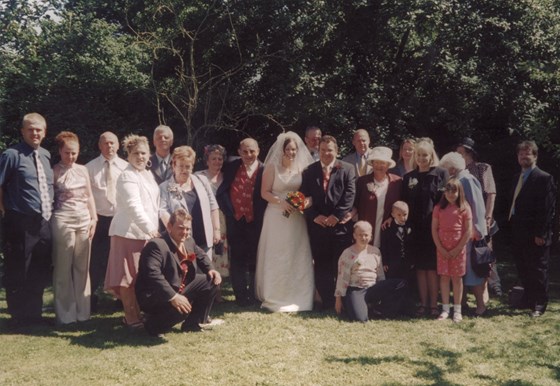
(135, 222)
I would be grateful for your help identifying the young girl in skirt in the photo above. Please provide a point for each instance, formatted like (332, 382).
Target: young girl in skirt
(451, 229)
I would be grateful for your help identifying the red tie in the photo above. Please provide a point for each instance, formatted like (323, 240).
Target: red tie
(183, 258)
(326, 178)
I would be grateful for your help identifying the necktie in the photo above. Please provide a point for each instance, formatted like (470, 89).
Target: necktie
(400, 232)
(363, 166)
(162, 168)
(46, 205)
(110, 182)
(515, 194)
(184, 267)
(326, 178)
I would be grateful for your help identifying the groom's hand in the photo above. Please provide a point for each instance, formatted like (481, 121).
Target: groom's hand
(332, 221)
(347, 217)
(321, 220)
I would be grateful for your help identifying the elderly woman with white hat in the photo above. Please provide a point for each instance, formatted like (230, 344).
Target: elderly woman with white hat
(377, 192)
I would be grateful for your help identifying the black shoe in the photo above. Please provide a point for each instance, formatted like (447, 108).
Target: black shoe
(194, 328)
(244, 302)
(94, 302)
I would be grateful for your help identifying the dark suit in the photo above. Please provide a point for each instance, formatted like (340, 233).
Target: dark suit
(159, 278)
(243, 237)
(533, 214)
(154, 168)
(394, 250)
(328, 243)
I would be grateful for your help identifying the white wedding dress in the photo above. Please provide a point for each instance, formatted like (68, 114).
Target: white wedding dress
(284, 276)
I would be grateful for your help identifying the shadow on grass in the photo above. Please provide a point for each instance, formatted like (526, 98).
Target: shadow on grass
(428, 370)
(364, 360)
(99, 332)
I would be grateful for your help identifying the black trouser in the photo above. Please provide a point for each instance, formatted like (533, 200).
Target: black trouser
(389, 293)
(531, 261)
(100, 246)
(243, 239)
(200, 292)
(27, 263)
(326, 248)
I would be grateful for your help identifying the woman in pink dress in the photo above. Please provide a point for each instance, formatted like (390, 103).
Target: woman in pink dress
(451, 229)
(135, 222)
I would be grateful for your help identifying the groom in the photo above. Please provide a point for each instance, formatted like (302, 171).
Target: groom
(331, 184)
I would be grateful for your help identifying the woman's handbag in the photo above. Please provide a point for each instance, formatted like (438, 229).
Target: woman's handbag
(482, 258)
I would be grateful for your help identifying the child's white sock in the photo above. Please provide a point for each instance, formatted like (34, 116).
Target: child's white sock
(457, 316)
(444, 312)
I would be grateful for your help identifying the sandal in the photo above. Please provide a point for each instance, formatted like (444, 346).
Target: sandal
(457, 317)
(420, 311)
(444, 316)
(133, 326)
(434, 312)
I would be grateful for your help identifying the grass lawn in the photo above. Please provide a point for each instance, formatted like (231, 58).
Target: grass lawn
(254, 347)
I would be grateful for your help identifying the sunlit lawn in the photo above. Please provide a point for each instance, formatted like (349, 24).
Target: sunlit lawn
(255, 347)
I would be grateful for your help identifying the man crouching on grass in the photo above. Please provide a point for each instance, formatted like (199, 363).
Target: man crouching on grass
(168, 287)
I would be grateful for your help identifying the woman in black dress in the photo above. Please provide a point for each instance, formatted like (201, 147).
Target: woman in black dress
(422, 190)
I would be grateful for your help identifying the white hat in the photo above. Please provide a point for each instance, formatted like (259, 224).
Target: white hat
(382, 153)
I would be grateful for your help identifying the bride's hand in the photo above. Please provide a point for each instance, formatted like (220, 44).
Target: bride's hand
(287, 207)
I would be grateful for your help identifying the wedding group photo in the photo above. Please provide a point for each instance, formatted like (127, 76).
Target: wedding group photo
(201, 197)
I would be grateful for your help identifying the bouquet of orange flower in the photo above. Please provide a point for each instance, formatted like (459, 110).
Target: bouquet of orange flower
(295, 199)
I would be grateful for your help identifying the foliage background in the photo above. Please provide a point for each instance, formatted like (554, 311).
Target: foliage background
(216, 71)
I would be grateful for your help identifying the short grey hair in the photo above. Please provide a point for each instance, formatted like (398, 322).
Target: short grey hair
(163, 128)
(453, 160)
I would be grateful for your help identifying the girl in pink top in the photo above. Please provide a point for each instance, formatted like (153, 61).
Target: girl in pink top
(451, 229)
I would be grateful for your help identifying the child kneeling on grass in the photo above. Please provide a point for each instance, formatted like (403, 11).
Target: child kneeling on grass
(361, 280)
(451, 229)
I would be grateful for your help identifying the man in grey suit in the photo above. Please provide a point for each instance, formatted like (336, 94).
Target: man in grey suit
(161, 159)
(359, 157)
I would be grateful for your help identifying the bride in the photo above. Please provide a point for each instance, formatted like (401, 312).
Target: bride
(284, 276)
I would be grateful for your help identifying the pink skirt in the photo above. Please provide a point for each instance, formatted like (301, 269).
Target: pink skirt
(122, 266)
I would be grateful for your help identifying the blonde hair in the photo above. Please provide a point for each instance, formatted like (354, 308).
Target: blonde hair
(34, 117)
(131, 141)
(428, 145)
(183, 153)
(364, 225)
(412, 142)
(400, 205)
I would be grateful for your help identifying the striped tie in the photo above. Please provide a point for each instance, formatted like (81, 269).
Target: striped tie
(110, 183)
(46, 205)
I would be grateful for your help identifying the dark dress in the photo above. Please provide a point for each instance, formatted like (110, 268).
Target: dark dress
(422, 191)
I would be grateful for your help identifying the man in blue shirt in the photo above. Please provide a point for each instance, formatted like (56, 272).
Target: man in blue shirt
(26, 195)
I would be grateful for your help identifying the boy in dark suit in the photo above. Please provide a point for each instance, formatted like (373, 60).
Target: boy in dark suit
(394, 244)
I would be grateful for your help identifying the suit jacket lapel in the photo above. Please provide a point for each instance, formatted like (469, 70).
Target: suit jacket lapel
(172, 250)
(331, 192)
(528, 182)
